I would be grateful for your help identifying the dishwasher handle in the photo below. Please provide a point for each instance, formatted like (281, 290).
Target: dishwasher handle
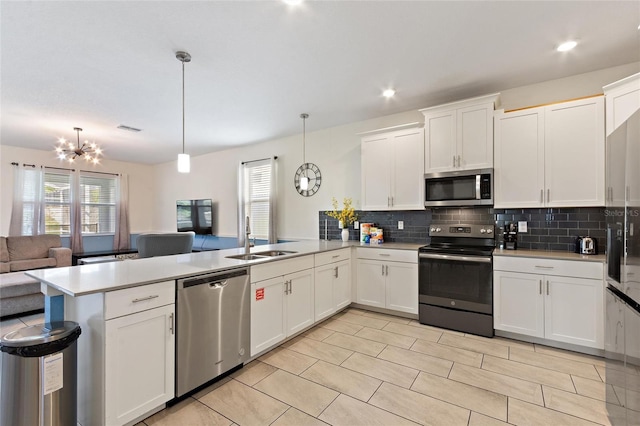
(218, 284)
(216, 280)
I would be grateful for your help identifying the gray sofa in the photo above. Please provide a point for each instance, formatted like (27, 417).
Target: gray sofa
(32, 252)
(18, 292)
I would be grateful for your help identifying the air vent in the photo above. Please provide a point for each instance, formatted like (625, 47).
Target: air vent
(129, 128)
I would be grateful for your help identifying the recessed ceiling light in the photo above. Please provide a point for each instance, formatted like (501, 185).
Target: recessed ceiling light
(566, 46)
(292, 2)
(388, 93)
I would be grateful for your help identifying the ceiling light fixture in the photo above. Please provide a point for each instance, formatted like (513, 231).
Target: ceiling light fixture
(389, 93)
(566, 46)
(67, 151)
(184, 162)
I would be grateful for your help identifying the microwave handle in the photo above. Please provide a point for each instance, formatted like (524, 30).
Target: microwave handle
(478, 195)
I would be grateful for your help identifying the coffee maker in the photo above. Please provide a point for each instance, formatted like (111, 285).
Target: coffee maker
(510, 236)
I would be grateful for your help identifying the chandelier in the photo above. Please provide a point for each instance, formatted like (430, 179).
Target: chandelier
(67, 151)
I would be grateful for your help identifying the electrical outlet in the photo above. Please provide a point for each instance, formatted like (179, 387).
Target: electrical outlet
(400, 224)
(522, 226)
(356, 225)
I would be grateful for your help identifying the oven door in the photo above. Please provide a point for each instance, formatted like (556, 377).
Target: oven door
(456, 281)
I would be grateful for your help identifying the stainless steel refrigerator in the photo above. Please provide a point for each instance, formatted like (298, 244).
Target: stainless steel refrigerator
(622, 299)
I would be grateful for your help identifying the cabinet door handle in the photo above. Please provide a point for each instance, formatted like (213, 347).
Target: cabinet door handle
(543, 267)
(548, 196)
(541, 196)
(540, 286)
(387, 267)
(171, 324)
(336, 272)
(388, 201)
(383, 270)
(628, 194)
(454, 161)
(290, 286)
(458, 161)
(335, 256)
(384, 254)
(391, 201)
(547, 287)
(142, 299)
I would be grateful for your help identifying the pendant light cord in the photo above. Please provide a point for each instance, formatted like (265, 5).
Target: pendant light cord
(182, 107)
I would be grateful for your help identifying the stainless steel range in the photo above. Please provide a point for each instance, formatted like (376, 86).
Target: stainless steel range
(456, 278)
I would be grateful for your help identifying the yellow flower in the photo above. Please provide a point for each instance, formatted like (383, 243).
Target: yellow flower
(347, 215)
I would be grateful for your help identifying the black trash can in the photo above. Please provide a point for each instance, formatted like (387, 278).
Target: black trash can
(39, 375)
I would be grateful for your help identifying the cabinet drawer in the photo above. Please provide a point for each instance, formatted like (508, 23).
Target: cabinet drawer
(410, 256)
(136, 299)
(565, 268)
(280, 267)
(332, 256)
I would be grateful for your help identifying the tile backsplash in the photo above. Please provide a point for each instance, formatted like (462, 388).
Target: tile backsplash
(548, 228)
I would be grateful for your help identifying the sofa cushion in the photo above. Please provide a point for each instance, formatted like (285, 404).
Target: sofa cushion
(5, 267)
(31, 247)
(4, 252)
(17, 284)
(25, 265)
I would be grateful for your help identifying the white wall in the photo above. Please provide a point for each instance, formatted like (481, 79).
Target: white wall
(141, 185)
(336, 151)
(155, 189)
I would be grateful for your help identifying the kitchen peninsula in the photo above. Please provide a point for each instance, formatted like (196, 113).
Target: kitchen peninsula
(127, 311)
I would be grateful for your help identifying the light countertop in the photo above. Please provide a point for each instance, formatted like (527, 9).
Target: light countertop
(549, 254)
(100, 277)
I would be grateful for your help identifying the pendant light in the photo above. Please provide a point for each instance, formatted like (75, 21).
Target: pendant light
(304, 180)
(184, 162)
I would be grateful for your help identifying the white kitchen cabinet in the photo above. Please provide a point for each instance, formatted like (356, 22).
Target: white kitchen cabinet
(282, 301)
(388, 279)
(459, 135)
(332, 282)
(392, 168)
(553, 305)
(551, 156)
(622, 99)
(140, 356)
(519, 158)
(126, 354)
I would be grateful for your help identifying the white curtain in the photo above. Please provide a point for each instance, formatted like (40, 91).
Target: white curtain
(27, 210)
(76, 214)
(122, 236)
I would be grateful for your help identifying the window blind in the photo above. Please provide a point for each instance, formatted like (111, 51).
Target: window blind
(98, 204)
(258, 194)
(57, 203)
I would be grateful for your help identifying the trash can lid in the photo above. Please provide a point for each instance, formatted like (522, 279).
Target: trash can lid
(39, 334)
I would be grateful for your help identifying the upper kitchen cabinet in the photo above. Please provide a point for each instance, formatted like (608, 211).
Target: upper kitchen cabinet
(392, 168)
(459, 135)
(622, 99)
(551, 156)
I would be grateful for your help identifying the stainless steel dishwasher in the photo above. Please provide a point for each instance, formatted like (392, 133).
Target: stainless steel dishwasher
(212, 326)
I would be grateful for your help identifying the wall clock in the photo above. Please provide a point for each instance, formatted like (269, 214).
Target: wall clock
(312, 172)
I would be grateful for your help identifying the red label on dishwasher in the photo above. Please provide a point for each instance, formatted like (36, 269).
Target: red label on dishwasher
(259, 293)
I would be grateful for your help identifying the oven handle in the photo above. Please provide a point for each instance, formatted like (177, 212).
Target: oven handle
(478, 259)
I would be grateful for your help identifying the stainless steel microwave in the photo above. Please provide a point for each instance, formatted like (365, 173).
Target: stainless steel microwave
(459, 188)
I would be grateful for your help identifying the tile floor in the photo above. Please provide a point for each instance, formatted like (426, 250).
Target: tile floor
(365, 368)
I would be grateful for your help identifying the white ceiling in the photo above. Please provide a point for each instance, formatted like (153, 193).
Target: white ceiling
(258, 64)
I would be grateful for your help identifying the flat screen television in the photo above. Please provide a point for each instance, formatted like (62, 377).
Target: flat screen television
(195, 215)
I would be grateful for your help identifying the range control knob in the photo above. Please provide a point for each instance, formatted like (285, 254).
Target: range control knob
(438, 229)
(489, 231)
(482, 231)
(432, 230)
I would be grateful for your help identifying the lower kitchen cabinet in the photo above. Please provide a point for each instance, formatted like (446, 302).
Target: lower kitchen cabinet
(561, 308)
(391, 283)
(283, 305)
(332, 288)
(140, 352)
(126, 354)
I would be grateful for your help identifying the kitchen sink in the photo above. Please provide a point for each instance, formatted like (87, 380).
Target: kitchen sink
(272, 253)
(247, 257)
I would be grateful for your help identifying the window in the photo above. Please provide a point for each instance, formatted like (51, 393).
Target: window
(98, 204)
(258, 193)
(57, 203)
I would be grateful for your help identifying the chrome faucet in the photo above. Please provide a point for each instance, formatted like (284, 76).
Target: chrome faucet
(247, 232)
